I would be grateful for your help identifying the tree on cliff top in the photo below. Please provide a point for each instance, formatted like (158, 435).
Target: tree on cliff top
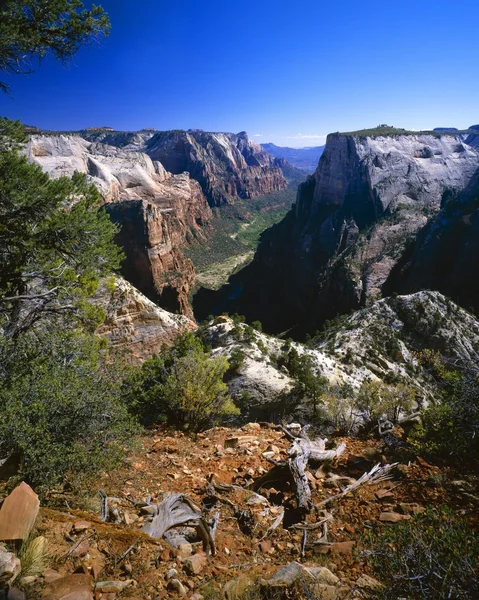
(30, 29)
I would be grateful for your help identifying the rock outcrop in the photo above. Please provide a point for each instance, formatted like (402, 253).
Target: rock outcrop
(445, 255)
(227, 165)
(379, 342)
(158, 213)
(135, 326)
(352, 220)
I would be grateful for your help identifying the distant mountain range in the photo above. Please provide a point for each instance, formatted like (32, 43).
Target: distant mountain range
(305, 159)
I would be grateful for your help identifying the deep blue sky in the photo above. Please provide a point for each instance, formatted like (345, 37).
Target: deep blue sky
(287, 72)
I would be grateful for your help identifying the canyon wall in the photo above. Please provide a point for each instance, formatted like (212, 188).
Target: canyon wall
(445, 255)
(227, 165)
(158, 213)
(350, 225)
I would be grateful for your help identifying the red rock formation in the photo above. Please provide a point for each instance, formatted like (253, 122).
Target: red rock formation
(135, 326)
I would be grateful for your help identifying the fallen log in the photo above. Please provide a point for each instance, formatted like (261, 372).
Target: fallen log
(178, 510)
(302, 453)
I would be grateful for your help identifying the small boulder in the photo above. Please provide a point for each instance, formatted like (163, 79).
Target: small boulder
(175, 585)
(10, 566)
(18, 513)
(72, 587)
(195, 564)
(112, 587)
(288, 575)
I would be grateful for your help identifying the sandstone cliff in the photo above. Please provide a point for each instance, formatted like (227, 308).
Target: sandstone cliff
(227, 165)
(158, 213)
(134, 326)
(352, 220)
(445, 255)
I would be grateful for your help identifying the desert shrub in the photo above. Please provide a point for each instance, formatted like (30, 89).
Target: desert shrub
(450, 430)
(432, 557)
(60, 408)
(235, 360)
(376, 398)
(340, 411)
(181, 385)
(257, 325)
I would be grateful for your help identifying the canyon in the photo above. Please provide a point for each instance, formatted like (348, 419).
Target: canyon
(159, 212)
(371, 194)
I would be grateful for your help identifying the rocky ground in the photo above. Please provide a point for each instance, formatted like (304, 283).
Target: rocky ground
(90, 558)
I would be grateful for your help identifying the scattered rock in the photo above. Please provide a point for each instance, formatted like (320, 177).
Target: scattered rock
(324, 575)
(80, 548)
(195, 564)
(237, 587)
(392, 517)
(185, 550)
(72, 587)
(266, 546)
(288, 575)
(112, 587)
(80, 526)
(341, 547)
(15, 594)
(10, 566)
(175, 585)
(18, 513)
(410, 508)
(369, 583)
(171, 574)
(50, 575)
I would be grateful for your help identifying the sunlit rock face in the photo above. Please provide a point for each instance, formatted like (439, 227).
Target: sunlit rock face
(227, 165)
(135, 326)
(351, 222)
(445, 255)
(378, 343)
(158, 213)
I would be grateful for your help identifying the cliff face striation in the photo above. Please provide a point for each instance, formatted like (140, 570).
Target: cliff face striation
(334, 250)
(227, 165)
(135, 326)
(158, 213)
(445, 255)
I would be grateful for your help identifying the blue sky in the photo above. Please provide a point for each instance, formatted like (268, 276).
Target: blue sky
(287, 72)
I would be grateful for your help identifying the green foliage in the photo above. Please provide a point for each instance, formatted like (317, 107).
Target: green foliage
(30, 30)
(60, 407)
(236, 360)
(340, 410)
(236, 229)
(433, 556)
(307, 383)
(376, 398)
(54, 244)
(182, 385)
(450, 429)
(257, 325)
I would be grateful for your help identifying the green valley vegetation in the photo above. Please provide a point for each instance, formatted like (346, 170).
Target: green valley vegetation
(235, 235)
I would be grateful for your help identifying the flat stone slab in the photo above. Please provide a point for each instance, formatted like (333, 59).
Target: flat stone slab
(18, 513)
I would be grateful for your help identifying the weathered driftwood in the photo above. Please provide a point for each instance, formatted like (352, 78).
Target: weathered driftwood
(178, 510)
(375, 475)
(303, 452)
